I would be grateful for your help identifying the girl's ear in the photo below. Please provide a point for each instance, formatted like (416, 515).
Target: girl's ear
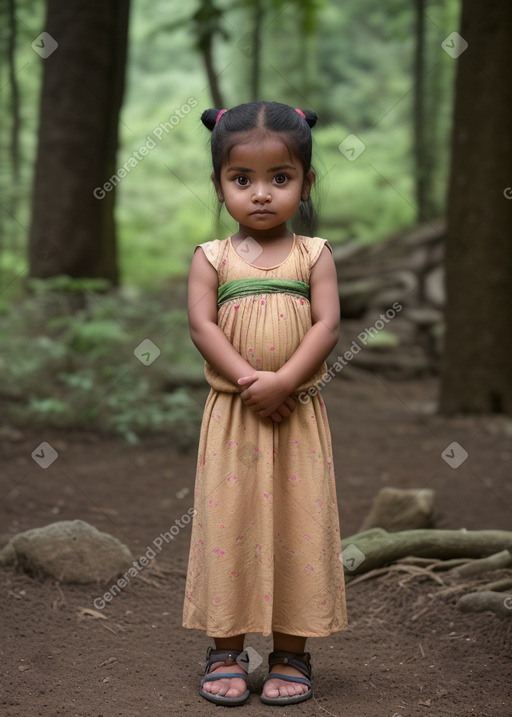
(218, 188)
(307, 184)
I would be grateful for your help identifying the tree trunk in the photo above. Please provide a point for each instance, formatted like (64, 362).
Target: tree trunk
(15, 106)
(420, 156)
(206, 51)
(257, 24)
(476, 373)
(425, 119)
(73, 232)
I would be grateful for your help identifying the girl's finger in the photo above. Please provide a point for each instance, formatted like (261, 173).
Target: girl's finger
(246, 379)
(291, 403)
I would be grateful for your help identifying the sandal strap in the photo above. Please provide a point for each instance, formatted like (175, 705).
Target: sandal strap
(228, 657)
(288, 678)
(300, 661)
(221, 676)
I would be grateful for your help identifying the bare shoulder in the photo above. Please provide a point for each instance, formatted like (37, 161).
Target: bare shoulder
(324, 264)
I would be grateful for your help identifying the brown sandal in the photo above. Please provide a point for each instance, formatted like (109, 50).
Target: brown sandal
(302, 663)
(228, 657)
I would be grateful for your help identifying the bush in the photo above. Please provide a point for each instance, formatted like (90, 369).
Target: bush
(68, 361)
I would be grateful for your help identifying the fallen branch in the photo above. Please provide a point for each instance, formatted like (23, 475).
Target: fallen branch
(497, 603)
(503, 559)
(376, 547)
(497, 585)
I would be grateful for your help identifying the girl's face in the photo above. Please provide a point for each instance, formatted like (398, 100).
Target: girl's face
(261, 183)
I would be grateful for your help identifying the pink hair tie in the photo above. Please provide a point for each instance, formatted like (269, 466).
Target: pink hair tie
(300, 112)
(221, 112)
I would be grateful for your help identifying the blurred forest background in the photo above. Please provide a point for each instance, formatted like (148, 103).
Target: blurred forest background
(353, 61)
(370, 69)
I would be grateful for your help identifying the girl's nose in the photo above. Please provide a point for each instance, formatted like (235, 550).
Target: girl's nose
(261, 195)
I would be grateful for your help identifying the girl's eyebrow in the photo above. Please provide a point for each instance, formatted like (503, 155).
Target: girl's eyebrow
(272, 169)
(240, 169)
(282, 166)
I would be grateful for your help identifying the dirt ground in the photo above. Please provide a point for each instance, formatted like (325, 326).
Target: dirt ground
(408, 651)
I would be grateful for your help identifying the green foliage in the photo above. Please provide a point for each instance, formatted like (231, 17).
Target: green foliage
(351, 61)
(69, 367)
(383, 339)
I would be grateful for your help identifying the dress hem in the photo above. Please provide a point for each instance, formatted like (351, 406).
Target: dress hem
(260, 631)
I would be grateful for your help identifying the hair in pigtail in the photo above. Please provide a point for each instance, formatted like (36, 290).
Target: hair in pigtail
(209, 118)
(311, 117)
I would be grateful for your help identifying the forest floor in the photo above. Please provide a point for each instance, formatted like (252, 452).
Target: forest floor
(408, 651)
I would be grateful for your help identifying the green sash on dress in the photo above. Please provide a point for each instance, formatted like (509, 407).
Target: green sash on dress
(238, 288)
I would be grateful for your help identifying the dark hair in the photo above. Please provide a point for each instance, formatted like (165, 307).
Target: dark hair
(274, 117)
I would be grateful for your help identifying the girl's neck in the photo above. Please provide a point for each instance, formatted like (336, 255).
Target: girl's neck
(267, 235)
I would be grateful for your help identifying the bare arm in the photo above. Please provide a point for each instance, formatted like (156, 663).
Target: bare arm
(323, 336)
(209, 338)
(265, 388)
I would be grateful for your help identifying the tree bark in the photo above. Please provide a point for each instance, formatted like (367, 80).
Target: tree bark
(476, 371)
(73, 232)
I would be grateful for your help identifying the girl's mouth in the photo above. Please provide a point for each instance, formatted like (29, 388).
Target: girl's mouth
(262, 211)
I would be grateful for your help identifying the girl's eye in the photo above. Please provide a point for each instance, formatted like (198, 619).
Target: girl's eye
(242, 181)
(280, 178)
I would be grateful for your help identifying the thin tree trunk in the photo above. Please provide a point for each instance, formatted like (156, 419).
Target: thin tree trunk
(257, 25)
(207, 55)
(477, 368)
(420, 140)
(73, 232)
(15, 108)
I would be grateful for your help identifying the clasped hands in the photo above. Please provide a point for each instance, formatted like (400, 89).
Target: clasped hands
(266, 395)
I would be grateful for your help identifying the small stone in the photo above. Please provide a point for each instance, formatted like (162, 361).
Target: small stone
(70, 551)
(397, 509)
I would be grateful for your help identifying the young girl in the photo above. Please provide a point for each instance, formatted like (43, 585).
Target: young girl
(263, 308)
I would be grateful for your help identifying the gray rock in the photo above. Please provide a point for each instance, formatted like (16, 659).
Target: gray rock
(70, 551)
(397, 509)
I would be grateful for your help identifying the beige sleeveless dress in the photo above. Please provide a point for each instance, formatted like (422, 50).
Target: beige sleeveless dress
(265, 548)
